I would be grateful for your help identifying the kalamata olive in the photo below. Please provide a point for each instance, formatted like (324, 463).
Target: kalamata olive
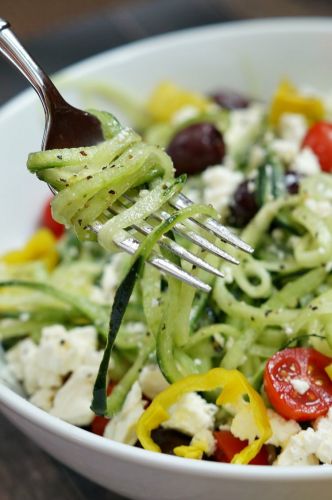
(229, 99)
(292, 180)
(168, 439)
(196, 147)
(244, 205)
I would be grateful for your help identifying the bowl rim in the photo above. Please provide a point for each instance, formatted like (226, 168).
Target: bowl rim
(23, 408)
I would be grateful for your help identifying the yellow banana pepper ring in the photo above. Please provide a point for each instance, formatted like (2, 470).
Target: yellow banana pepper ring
(41, 246)
(234, 388)
(168, 98)
(193, 451)
(288, 99)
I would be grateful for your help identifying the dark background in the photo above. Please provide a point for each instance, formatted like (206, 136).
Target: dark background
(58, 33)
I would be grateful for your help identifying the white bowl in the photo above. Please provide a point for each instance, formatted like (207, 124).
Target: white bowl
(247, 56)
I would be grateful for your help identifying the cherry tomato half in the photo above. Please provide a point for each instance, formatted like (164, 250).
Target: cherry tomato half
(228, 445)
(99, 423)
(305, 364)
(319, 140)
(48, 221)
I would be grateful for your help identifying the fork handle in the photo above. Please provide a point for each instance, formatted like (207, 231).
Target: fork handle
(11, 48)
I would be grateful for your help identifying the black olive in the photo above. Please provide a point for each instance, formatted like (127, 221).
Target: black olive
(196, 147)
(229, 99)
(168, 439)
(244, 205)
(292, 180)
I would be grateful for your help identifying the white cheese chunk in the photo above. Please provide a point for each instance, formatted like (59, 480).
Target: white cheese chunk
(285, 150)
(59, 373)
(22, 362)
(191, 414)
(61, 352)
(152, 381)
(282, 429)
(43, 398)
(323, 427)
(310, 446)
(220, 184)
(293, 127)
(72, 401)
(306, 163)
(111, 277)
(243, 426)
(184, 114)
(122, 426)
(299, 385)
(205, 439)
(300, 449)
(14, 356)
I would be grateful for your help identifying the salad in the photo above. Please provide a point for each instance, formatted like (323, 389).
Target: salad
(241, 375)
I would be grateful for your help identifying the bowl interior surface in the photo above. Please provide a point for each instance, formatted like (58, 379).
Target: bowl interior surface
(250, 57)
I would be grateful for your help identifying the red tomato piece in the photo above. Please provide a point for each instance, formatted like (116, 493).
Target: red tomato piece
(48, 221)
(99, 423)
(319, 140)
(302, 363)
(229, 445)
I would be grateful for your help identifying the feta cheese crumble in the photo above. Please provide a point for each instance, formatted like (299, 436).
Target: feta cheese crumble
(285, 150)
(122, 426)
(184, 114)
(306, 163)
(310, 446)
(110, 280)
(205, 439)
(299, 385)
(72, 401)
(293, 127)
(219, 184)
(243, 426)
(152, 381)
(59, 373)
(191, 414)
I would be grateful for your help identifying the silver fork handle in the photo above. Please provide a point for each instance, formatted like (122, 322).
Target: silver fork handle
(11, 48)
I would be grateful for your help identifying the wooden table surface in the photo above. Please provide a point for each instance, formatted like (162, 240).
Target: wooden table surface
(26, 472)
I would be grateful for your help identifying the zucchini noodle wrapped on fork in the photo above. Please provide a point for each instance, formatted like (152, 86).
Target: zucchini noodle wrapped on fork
(91, 180)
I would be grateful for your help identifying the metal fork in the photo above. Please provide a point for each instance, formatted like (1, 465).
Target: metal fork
(66, 126)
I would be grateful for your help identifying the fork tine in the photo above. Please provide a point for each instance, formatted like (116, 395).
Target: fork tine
(130, 245)
(183, 253)
(192, 236)
(200, 240)
(205, 244)
(178, 250)
(181, 201)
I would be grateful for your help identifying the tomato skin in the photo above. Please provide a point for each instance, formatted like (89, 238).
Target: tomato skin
(98, 424)
(319, 140)
(298, 363)
(48, 221)
(228, 445)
